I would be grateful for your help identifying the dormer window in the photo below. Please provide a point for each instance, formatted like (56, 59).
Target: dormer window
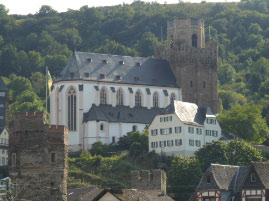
(102, 76)
(253, 177)
(105, 61)
(86, 74)
(121, 62)
(136, 78)
(138, 64)
(89, 60)
(72, 75)
(118, 77)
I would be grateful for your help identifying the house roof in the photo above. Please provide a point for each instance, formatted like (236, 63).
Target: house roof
(189, 113)
(121, 113)
(262, 169)
(79, 194)
(118, 69)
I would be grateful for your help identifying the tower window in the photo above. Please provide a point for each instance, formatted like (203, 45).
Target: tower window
(52, 157)
(194, 40)
(155, 100)
(204, 84)
(13, 160)
(138, 99)
(103, 96)
(119, 97)
(72, 108)
(102, 127)
(191, 84)
(172, 98)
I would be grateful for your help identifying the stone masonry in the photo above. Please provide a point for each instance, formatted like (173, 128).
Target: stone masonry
(194, 63)
(38, 156)
(149, 180)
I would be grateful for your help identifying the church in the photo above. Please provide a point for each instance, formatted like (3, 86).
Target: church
(102, 97)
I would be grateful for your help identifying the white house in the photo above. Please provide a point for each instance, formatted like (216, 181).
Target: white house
(182, 128)
(102, 97)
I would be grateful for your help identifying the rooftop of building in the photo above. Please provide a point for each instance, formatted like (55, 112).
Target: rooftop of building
(118, 69)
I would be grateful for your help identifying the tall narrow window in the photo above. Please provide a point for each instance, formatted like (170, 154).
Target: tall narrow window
(203, 84)
(172, 98)
(138, 99)
(119, 97)
(194, 40)
(191, 84)
(13, 160)
(72, 108)
(155, 100)
(103, 96)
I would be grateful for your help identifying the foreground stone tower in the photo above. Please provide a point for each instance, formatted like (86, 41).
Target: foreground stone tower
(38, 158)
(194, 63)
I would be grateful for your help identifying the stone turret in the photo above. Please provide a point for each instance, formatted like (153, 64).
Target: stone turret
(194, 63)
(38, 158)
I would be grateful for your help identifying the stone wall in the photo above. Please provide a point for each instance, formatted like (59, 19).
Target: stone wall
(38, 158)
(149, 180)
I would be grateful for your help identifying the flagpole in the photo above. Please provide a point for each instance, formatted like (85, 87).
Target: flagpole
(46, 88)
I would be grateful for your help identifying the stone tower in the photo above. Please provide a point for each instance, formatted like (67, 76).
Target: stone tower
(194, 63)
(38, 158)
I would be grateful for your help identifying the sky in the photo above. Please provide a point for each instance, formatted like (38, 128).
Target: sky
(25, 7)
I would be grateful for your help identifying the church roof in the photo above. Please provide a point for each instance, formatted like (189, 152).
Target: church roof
(189, 113)
(118, 69)
(121, 113)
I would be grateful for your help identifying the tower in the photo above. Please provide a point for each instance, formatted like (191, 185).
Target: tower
(38, 158)
(193, 62)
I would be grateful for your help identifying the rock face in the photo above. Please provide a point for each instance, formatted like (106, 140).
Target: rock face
(38, 158)
(194, 63)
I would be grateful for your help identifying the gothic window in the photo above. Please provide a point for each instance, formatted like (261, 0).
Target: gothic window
(172, 98)
(138, 99)
(72, 108)
(103, 96)
(194, 40)
(119, 97)
(155, 100)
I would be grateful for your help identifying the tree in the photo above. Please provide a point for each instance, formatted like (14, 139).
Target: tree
(184, 175)
(214, 152)
(18, 85)
(226, 73)
(245, 121)
(230, 98)
(125, 142)
(145, 46)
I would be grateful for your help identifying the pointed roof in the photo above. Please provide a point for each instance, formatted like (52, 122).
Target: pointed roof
(118, 69)
(262, 169)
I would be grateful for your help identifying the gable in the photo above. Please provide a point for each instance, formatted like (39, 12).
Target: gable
(108, 197)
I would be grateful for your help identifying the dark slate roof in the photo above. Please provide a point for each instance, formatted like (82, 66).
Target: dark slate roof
(188, 113)
(2, 85)
(262, 170)
(78, 194)
(91, 66)
(121, 113)
(228, 136)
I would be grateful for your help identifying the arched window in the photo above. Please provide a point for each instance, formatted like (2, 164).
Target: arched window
(172, 98)
(155, 100)
(72, 108)
(138, 99)
(119, 97)
(102, 127)
(103, 96)
(194, 40)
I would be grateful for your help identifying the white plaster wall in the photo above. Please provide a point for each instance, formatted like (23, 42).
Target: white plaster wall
(215, 127)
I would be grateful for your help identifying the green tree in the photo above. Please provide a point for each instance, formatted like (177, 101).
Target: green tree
(183, 175)
(18, 85)
(125, 142)
(245, 121)
(230, 98)
(145, 46)
(214, 152)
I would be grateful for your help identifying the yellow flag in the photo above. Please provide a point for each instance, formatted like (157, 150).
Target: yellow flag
(49, 80)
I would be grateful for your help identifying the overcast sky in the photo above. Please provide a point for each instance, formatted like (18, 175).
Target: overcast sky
(32, 6)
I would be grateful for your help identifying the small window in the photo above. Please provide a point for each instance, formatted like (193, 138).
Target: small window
(52, 188)
(204, 84)
(89, 60)
(208, 179)
(191, 84)
(113, 139)
(13, 160)
(253, 177)
(102, 127)
(52, 157)
(134, 128)
(121, 62)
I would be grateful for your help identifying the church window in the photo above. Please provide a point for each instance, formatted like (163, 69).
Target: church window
(155, 100)
(103, 96)
(72, 108)
(138, 99)
(172, 98)
(194, 40)
(119, 97)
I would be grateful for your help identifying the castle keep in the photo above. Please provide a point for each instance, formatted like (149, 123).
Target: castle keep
(193, 62)
(38, 158)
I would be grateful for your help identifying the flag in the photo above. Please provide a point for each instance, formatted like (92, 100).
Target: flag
(49, 81)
